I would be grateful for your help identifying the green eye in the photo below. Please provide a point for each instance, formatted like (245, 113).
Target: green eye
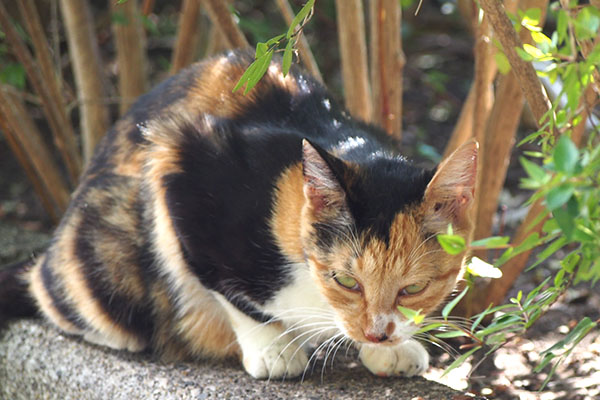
(346, 281)
(413, 289)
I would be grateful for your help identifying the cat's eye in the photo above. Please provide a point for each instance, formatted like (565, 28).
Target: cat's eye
(413, 289)
(346, 281)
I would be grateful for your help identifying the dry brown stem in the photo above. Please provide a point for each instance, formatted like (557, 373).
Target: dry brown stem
(353, 49)
(533, 90)
(187, 35)
(223, 20)
(85, 57)
(306, 55)
(476, 108)
(50, 104)
(387, 64)
(130, 41)
(33, 153)
(500, 131)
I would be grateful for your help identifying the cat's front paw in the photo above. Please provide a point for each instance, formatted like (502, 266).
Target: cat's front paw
(407, 359)
(280, 359)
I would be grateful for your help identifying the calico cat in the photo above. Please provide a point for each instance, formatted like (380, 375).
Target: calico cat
(213, 224)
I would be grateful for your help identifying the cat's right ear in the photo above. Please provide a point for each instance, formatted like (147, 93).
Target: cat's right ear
(450, 194)
(322, 190)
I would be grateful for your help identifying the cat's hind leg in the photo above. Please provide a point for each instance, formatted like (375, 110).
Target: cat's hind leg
(268, 352)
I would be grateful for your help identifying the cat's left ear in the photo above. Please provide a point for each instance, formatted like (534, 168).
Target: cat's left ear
(322, 189)
(450, 194)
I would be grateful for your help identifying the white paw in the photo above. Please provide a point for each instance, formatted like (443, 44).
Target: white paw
(407, 359)
(279, 359)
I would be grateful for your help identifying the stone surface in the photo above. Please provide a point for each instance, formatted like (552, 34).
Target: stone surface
(37, 362)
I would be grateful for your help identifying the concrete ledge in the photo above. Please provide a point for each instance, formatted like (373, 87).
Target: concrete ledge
(37, 362)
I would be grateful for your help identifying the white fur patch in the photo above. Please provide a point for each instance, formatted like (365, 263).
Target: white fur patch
(407, 359)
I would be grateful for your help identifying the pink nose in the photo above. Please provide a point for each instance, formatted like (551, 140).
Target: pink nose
(376, 338)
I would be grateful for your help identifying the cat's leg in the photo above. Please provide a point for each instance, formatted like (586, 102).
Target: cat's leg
(406, 359)
(267, 351)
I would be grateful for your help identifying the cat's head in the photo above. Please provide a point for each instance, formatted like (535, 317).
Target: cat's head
(369, 235)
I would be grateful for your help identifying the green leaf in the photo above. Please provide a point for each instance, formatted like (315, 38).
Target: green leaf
(502, 63)
(548, 251)
(451, 334)
(415, 316)
(533, 51)
(536, 172)
(430, 327)
(565, 222)
(561, 25)
(460, 360)
(559, 195)
(478, 267)
(448, 308)
(255, 71)
(491, 242)
(452, 244)
(287, 57)
(13, 74)
(531, 18)
(525, 56)
(303, 13)
(587, 23)
(565, 155)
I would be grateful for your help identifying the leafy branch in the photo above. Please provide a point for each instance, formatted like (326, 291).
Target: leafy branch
(265, 50)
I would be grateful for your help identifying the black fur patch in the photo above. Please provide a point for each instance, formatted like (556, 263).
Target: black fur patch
(14, 298)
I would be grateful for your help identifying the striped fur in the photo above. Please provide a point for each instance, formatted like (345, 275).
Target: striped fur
(213, 224)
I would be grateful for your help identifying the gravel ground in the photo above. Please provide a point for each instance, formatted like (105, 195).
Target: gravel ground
(37, 362)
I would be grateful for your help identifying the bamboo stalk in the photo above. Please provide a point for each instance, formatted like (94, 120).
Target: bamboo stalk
(33, 153)
(187, 36)
(50, 104)
(353, 50)
(387, 64)
(306, 55)
(85, 57)
(223, 20)
(131, 59)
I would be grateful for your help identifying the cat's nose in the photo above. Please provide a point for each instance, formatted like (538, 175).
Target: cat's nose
(376, 338)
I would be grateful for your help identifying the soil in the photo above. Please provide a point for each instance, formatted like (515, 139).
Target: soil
(437, 78)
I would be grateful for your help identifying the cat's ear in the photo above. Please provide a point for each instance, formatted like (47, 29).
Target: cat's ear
(322, 190)
(450, 194)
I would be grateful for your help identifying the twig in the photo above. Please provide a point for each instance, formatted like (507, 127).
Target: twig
(525, 73)
(33, 153)
(49, 103)
(306, 55)
(223, 20)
